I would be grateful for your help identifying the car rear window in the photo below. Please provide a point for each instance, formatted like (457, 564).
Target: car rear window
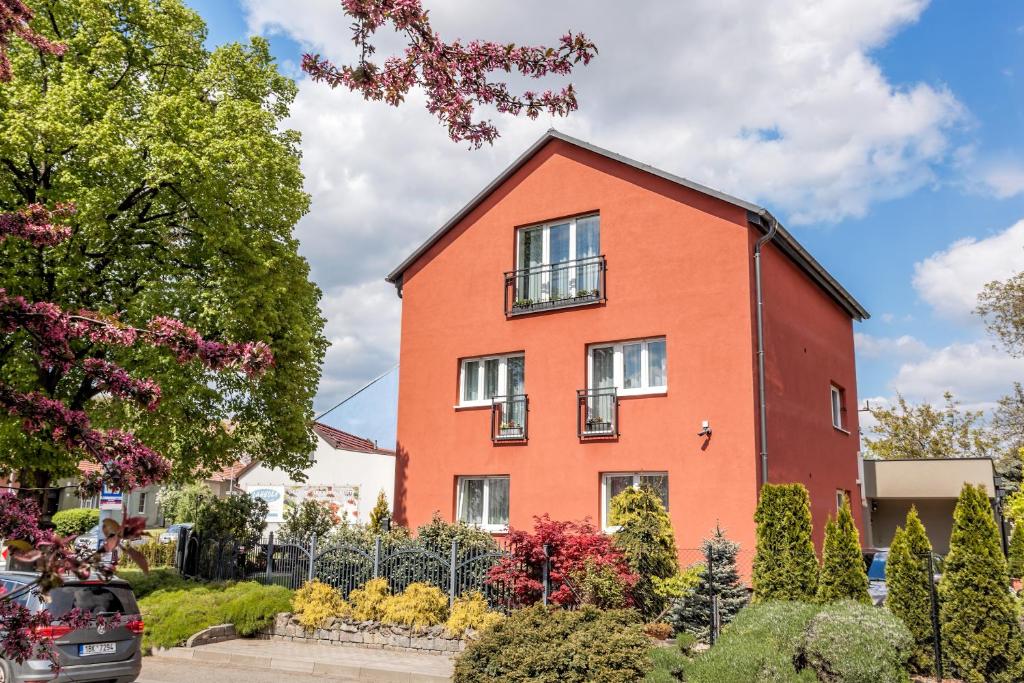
(92, 598)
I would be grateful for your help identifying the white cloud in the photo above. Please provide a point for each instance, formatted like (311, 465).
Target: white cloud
(1003, 180)
(976, 373)
(950, 280)
(905, 346)
(779, 102)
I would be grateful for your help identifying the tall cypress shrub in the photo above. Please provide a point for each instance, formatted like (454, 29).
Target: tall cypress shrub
(1017, 550)
(693, 613)
(981, 636)
(646, 539)
(907, 578)
(785, 567)
(843, 576)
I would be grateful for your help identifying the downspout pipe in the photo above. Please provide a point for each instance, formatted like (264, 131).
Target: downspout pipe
(773, 228)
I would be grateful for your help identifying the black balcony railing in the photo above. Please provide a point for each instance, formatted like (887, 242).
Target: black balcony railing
(558, 285)
(597, 413)
(509, 418)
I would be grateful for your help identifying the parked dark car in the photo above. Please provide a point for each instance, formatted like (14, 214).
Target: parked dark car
(110, 654)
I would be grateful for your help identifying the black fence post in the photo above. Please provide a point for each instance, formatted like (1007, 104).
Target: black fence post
(270, 558)
(451, 572)
(712, 598)
(546, 573)
(936, 631)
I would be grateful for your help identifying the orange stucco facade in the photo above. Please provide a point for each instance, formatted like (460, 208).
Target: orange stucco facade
(678, 266)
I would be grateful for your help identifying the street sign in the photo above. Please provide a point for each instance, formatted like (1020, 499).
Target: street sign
(110, 499)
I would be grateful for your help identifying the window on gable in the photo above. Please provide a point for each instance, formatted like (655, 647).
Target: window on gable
(558, 261)
(634, 367)
(483, 379)
(838, 397)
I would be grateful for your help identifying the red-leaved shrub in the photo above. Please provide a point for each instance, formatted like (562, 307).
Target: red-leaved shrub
(570, 545)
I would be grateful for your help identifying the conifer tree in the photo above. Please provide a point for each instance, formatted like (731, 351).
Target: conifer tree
(646, 539)
(981, 636)
(693, 613)
(785, 567)
(1017, 550)
(379, 512)
(907, 578)
(842, 576)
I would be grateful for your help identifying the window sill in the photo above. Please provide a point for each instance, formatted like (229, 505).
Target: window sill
(630, 393)
(471, 406)
(489, 528)
(840, 429)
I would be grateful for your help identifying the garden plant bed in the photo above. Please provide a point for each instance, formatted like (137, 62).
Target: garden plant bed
(371, 634)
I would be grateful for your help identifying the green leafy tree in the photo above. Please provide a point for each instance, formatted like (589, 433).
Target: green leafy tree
(981, 635)
(1001, 304)
(843, 576)
(922, 431)
(182, 503)
(187, 188)
(379, 513)
(692, 613)
(239, 516)
(1016, 565)
(785, 567)
(309, 517)
(908, 580)
(646, 540)
(1007, 427)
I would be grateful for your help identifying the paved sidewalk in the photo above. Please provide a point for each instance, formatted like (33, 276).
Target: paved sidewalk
(349, 663)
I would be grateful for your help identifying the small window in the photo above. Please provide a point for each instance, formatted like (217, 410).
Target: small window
(141, 509)
(838, 408)
(634, 367)
(841, 495)
(483, 502)
(615, 483)
(483, 379)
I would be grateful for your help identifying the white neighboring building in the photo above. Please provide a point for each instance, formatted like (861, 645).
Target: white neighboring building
(347, 472)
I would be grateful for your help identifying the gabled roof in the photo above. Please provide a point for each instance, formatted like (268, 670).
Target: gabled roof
(756, 215)
(347, 442)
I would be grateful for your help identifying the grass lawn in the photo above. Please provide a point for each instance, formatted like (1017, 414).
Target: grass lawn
(668, 665)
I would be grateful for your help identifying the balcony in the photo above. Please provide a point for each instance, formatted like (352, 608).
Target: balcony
(597, 413)
(509, 416)
(559, 285)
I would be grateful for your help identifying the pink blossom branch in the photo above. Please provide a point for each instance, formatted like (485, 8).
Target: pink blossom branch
(35, 223)
(14, 18)
(453, 75)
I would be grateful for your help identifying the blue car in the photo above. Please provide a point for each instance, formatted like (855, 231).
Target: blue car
(875, 561)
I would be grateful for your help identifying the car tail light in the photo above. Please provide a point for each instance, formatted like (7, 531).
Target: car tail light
(136, 626)
(58, 631)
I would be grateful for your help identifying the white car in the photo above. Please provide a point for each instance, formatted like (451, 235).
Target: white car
(173, 531)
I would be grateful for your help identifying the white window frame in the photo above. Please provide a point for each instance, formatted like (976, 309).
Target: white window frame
(835, 398)
(482, 378)
(546, 231)
(840, 495)
(486, 479)
(605, 500)
(619, 367)
(140, 506)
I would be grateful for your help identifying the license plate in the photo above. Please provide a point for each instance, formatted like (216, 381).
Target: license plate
(97, 649)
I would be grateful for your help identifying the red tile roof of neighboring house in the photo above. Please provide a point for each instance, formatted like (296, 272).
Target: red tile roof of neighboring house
(228, 473)
(345, 441)
(86, 467)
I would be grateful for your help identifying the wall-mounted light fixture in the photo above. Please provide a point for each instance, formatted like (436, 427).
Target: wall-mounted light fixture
(705, 429)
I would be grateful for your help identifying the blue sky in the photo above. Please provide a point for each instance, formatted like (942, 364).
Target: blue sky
(896, 157)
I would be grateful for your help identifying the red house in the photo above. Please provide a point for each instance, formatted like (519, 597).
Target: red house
(588, 323)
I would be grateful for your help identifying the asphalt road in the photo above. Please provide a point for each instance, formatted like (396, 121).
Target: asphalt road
(169, 670)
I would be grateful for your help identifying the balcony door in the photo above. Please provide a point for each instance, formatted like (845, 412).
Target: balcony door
(601, 399)
(558, 260)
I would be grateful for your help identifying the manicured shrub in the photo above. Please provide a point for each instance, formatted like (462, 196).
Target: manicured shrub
(981, 635)
(239, 516)
(368, 602)
(159, 579)
(156, 554)
(1017, 551)
(171, 616)
(646, 540)
(850, 642)
(180, 504)
(658, 630)
(685, 641)
(419, 605)
(551, 644)
(599, 585)
(909, 598)
(75, 521)
(470, 611)
(316, 602)
(759, 645)
(307, 518)
(571, 545)
(785, 567)
(843, 575)
(379, 513)
(692, 613)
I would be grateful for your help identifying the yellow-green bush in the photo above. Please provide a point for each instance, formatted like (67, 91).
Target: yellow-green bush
(419, 605)
(316, 602)
(368, 602)
(469, 611)
(157, 554)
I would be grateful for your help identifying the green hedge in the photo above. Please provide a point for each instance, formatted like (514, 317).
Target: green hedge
(551, 644)
(75, 520)
(172, 616)
(157, 554)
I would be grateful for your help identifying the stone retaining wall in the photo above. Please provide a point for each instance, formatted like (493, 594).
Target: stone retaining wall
(373, 634)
